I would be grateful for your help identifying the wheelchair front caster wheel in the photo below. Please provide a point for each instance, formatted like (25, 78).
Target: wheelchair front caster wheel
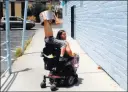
(43, 85)
(53, 87)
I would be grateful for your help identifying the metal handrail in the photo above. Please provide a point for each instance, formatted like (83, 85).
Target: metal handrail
(4, 43)
(8, 32)
(7, 42)
(5, 58)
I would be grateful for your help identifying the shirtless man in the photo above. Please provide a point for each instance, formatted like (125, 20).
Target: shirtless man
(49, 34)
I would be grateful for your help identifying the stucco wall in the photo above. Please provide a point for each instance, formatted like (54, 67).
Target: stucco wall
(101, 30)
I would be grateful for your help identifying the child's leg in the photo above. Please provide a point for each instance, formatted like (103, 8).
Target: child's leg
(69, 51)
(62, 52)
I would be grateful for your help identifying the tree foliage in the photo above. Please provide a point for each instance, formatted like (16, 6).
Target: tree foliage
(36, 8)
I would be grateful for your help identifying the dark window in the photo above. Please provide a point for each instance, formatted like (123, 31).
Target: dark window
(1, 10)
(12, 8)
(22, 8)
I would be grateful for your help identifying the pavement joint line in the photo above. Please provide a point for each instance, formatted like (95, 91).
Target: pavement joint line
(91, 72)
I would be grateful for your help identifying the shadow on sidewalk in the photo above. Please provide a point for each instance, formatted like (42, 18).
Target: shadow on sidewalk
(27, 69)
(9, 84)
(10, 79)
(79, 81)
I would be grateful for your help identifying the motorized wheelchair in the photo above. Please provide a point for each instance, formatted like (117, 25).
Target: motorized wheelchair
(61, 73)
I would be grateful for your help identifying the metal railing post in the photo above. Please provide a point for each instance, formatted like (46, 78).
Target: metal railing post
(24, 24)
(8, 36)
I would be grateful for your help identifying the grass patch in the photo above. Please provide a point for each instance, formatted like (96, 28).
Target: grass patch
(19, 51)
(27, 42)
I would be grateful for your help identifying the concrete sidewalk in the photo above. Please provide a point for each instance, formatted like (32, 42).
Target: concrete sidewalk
(29, 70)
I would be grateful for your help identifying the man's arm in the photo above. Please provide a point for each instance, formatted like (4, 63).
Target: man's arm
(57, 20)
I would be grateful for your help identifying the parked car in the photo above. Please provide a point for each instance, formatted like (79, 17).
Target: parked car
(17, 22)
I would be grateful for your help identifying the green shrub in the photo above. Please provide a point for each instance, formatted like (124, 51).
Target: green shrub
(27, 42)
(18, 52)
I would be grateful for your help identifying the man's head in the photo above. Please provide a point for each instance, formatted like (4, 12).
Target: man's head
(61, 35)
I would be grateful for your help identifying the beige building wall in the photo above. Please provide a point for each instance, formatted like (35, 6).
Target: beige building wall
(3, 12)
(18, 9)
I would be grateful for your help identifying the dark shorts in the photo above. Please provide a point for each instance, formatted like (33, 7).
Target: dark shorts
(52, 40)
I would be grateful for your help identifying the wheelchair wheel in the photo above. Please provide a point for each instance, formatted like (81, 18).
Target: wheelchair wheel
(53, 87)
(70, 81)
(76, 79)
(43, 85)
